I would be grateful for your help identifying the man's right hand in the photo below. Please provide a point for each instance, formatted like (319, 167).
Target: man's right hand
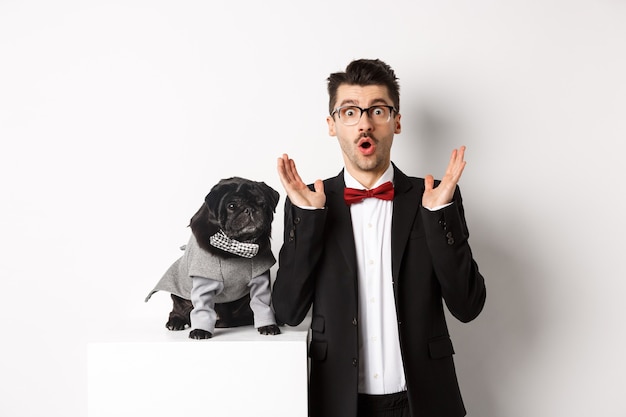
(297, 191)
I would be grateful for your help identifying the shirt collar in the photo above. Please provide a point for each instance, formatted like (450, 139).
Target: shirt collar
(353, 183)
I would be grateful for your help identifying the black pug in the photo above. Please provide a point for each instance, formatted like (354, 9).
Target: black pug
(223, 278)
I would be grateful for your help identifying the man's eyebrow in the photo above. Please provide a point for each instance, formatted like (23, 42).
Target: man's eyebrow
(353, 102)
(378, 101)
(348, 101)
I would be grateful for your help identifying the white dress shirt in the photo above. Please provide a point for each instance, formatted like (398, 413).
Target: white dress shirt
(380, 365)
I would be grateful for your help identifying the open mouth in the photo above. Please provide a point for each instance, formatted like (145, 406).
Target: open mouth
(366, 145)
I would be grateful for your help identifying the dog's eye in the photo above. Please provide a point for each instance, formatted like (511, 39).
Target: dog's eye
(231, 206)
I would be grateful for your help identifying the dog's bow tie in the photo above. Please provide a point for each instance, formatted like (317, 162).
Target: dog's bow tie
(384, 192)
(223, 242)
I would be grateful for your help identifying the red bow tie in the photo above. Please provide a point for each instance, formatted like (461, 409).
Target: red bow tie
(384, 192)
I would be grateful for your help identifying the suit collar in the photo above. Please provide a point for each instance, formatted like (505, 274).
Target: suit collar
(400, 180)
(352, 182)
(341, 225)
(406, 203)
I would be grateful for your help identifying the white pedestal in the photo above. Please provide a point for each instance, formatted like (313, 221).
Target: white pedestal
(149, 371)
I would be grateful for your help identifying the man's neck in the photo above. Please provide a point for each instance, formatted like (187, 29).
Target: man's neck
(367, 179)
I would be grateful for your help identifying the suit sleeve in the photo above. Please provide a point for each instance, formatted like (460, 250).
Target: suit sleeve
(462, 285)
(293, 289)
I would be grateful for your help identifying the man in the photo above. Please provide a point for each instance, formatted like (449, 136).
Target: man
(376, 268)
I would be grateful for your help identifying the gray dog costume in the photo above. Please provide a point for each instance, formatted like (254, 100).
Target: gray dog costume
(206, 279)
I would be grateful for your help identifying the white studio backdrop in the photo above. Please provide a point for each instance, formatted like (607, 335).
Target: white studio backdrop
(116, 117)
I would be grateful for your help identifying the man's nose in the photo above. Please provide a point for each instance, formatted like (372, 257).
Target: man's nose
(365, 123)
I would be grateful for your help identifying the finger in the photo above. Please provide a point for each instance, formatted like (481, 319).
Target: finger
(286, 168)
(429, 182)
(281, 167)
(460, 163)
(455, 166)
(454, 158)
(294, 172)
(319, 186)
(459, 156)
(289, 176)
(462, 152)
(460, 170)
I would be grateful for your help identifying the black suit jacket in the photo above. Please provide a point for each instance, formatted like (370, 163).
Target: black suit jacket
(431, 262)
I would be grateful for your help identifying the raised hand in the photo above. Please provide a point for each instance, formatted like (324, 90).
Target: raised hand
(297, 191)
(443, 193)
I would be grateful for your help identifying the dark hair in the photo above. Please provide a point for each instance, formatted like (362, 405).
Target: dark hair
(365, 72)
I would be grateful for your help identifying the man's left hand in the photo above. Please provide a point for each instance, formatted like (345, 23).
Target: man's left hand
(443, 193)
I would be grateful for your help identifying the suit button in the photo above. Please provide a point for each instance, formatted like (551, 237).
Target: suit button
(296, 220)
(449, 234)
(354, 322)
(451, 241)
(354, 362)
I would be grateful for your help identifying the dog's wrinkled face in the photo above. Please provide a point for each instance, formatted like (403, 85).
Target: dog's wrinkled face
(241, 208)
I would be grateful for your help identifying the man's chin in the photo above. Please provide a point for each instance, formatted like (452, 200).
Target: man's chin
(371, 163)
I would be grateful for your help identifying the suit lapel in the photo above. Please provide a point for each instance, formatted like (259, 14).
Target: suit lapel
(341, 220)
(405, 205)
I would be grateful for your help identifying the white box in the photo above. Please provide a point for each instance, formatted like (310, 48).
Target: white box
(150, 371)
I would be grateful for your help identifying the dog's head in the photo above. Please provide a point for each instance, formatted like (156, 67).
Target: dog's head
(241, 208)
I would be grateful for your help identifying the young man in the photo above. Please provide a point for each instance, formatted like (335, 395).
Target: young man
(376, 253)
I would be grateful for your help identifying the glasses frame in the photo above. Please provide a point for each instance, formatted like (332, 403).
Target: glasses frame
(366, 110)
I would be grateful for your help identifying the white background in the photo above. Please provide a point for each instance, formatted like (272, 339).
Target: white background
(117, 117)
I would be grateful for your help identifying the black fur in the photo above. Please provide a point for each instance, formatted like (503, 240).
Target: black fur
(244, 211)
(255, 202)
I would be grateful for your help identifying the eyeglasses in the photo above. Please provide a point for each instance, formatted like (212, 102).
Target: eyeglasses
(350, 115)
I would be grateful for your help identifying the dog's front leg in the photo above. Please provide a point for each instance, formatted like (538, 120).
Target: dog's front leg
(260, 299)
(203, 315)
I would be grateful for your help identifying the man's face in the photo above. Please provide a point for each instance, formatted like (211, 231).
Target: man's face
(366, 145)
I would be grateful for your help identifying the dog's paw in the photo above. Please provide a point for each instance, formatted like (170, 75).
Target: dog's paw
(200, 334)
(271, 329)
(177, 323)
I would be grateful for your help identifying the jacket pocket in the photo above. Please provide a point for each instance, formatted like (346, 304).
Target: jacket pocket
(317, 351)
(440, 347)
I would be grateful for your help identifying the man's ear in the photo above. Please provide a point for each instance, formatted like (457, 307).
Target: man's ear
(397, 122)
(331, 126)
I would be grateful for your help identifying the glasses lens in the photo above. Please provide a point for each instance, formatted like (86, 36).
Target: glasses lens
(350, 115)
(379, 114)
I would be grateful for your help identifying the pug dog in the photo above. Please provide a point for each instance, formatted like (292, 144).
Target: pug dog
(223, 277)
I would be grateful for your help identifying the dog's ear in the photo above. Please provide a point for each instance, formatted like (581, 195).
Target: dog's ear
(201, 216)
(271, 195)
(203, 226)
